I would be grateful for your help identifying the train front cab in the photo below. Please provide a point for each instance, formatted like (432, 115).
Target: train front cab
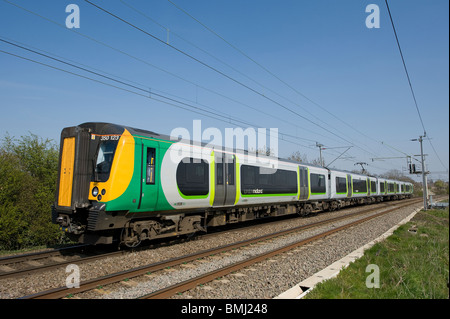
(86, 160)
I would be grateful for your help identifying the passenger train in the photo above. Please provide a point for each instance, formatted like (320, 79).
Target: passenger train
(122, 184)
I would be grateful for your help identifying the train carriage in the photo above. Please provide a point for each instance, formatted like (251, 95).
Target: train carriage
(382, 187)
(318, 183)
(119, 183)
(360, 187)
(391, 189)
(340, 185)
(372, 186)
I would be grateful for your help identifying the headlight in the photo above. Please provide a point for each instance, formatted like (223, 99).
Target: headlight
(95, 191)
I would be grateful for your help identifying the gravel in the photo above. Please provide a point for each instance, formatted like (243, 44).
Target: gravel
(270, 278)
(263, 280)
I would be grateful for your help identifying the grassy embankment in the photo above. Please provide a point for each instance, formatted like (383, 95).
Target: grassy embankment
(413, 263)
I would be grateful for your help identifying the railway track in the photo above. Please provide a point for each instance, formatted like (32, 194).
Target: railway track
(16, 265)
(169, 291)
(192, 283)
(32, 263)
(24, 264)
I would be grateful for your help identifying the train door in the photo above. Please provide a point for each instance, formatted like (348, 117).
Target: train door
(225, 179)
(304, 193)
(149, 176)
(349, 186)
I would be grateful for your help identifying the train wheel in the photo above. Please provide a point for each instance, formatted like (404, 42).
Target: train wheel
(129, 238)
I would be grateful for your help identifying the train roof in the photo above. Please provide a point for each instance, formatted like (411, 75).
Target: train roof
(110, 128)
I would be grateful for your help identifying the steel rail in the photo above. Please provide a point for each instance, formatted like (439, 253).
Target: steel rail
(202, 279)
(139, 271)
(31, 269)
(37, 255)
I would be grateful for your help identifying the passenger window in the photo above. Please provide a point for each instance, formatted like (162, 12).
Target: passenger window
(193, 177)
(317, 183)
(230, 178)
(219, 173)
(341, 185)
(151, 153)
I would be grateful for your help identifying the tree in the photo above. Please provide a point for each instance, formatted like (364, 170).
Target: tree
(12, 227)
(28, 171)
(302, 158)
(264, 151)
(441, 188)
(298, 157)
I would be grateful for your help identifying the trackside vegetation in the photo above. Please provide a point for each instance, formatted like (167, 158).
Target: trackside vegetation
(28, 171)
(413, 263)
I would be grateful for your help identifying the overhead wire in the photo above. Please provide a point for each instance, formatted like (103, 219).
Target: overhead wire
(110, 77)
(274, 75)
(406, 69)
(223, 62)
(437, 155)
(146, 16)
(229, 66)
(144, 90)
(410, 84)
(222, 73)
(95, 40)
(165, 71)
(271, 73)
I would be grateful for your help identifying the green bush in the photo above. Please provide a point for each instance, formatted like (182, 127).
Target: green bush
(28, 172)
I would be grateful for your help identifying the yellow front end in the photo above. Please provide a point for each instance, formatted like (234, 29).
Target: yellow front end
(121, 171)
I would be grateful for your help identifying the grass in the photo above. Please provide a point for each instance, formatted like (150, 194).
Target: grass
(413, 263)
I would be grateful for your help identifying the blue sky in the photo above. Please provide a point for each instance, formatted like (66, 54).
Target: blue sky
(322, 49)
